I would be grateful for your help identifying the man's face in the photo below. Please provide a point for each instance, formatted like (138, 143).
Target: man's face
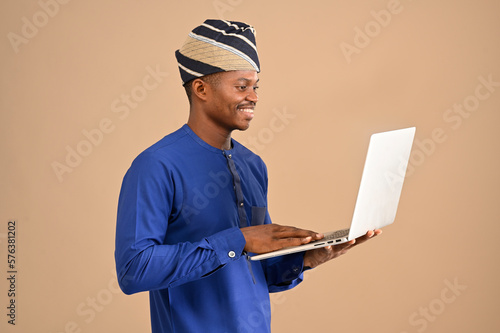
(232, 100)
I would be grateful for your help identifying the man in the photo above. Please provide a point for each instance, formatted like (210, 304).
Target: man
(194, 205)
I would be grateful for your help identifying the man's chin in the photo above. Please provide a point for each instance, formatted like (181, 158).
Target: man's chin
(243, 127)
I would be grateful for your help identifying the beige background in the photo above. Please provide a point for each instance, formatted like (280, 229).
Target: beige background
(65, 73)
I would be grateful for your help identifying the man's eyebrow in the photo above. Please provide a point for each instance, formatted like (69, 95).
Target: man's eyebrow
(246, 80)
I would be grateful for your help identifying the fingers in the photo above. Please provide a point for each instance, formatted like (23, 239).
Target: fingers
(293, 232)
(317, 257)
(265, 238)
(291, 236)
(270, 237)
(293, 241)
(369, 234)
(340, 248)
(345, 246)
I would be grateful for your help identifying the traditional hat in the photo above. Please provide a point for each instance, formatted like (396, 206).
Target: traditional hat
(218, 46)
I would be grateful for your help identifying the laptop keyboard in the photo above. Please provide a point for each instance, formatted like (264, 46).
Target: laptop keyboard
(336, 234)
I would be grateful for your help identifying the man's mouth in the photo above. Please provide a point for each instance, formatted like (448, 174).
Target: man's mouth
(246, 108)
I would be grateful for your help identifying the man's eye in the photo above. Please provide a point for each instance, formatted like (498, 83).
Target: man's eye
(255, 88)
(242, 87)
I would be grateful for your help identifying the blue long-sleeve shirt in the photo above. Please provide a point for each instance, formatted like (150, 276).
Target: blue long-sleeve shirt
(180, 211)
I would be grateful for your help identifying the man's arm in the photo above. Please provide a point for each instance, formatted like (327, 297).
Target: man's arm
(144, 262)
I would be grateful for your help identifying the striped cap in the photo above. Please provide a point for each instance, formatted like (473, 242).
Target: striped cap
(217, 46)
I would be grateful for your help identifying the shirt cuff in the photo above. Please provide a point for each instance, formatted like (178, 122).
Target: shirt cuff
(227, 244)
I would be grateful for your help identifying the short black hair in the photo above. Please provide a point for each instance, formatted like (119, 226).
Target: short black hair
(212, 79)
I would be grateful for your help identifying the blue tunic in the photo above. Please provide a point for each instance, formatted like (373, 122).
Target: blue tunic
(181, 207)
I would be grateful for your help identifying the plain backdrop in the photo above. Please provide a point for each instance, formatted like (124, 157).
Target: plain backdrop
(87, 85)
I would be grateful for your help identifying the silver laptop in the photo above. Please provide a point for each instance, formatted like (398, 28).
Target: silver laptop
(379, 192)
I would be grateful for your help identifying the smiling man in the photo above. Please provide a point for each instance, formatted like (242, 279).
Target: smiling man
(193, 205)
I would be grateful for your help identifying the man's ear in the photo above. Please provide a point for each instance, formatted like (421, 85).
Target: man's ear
(200, 89)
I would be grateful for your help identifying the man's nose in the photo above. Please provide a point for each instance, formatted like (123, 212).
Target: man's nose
(252, 96)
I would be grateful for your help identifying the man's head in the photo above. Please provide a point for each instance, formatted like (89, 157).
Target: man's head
(218, 64)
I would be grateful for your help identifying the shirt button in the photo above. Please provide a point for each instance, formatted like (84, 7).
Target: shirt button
(231, 254)
(241, 204)
(229, 155)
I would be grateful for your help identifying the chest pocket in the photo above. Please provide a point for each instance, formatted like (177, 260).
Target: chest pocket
(258, 215)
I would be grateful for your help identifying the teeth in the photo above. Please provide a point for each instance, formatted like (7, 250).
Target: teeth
(246, 110)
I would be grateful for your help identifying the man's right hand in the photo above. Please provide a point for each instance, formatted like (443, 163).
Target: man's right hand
(271, 237)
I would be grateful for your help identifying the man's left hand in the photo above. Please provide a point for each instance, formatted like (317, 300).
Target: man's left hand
(317, 257)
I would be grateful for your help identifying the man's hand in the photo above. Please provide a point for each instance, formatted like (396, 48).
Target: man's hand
(271, 237)
(316, 257)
